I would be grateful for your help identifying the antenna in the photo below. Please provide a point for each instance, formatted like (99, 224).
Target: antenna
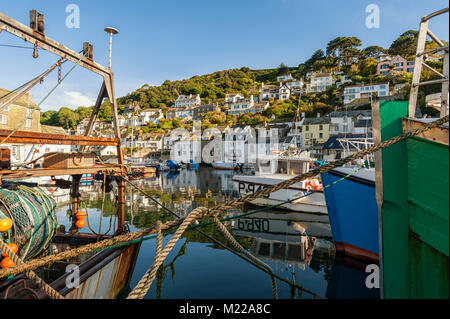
(111, 31)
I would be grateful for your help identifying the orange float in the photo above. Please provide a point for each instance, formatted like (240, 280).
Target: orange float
(81, 215)
(13, 247)
(80, 224)
(7, 263)
(5, 224)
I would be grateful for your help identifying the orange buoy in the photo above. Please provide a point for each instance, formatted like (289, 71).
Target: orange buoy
(7, 263)
(81, 215)
(80, 224)
(5, 224)
(13, 247)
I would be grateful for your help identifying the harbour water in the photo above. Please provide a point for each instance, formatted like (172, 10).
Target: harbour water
(199, 268)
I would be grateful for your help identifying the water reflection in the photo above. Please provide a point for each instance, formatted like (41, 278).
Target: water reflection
(199, 268)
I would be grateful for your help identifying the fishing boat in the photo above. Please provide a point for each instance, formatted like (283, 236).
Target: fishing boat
(271, 170)
(412, 188)
(352, 206)
(27, 214)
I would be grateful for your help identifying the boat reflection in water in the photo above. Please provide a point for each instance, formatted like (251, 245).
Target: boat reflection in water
(300, 251)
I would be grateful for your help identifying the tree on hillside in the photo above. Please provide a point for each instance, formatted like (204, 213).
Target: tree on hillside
(367, 67)
(405, 45)
(343, 49)
(67, 118)
(216, 117)
(372, 51)
(283, 69)
(317, 56)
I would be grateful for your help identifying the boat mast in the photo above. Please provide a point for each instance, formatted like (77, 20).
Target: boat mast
(35, 35)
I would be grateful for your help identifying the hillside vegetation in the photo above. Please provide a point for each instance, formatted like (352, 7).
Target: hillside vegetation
(341, 54)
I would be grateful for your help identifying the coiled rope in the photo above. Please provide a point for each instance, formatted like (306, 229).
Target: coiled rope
(33, 264)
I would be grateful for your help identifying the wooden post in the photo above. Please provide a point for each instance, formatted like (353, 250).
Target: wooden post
(75, 200)
(120, 205)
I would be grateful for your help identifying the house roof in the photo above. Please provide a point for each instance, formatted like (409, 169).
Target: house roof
(25, 100)
(333, 142)
(361, 85)
(317, 120)
(53, 130)
(363, 123)
(320, 75)
(365, 113)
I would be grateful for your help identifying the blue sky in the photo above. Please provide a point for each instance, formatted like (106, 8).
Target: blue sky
(177, 39)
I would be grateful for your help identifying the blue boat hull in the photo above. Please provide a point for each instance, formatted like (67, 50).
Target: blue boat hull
(353, 213)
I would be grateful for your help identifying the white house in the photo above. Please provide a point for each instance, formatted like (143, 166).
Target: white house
(188, 101)
(295, 85)
(355, 92)
(247, 106)
(284, 78)
(233, 98)
(344, 122)
(281, 92)
(185, 113)
(151, 115)
(344, 80)
(320, 82)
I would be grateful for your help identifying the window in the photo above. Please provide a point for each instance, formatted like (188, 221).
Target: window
(385, 66)
(410, 70)
(307, 128)
(28, 123)
(321, 135)
(410, 62)
(3, 119)
(320, 127)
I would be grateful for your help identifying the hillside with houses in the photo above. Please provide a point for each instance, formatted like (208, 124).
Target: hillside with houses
(328, 95)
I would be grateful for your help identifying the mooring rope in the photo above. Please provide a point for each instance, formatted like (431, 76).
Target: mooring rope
(141, 289)
(33, 264)
(144, 284)
(241, 249)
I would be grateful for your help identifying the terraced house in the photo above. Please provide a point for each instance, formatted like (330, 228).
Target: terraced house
(188, 101)
(362, 93)
(396, 63)
(315, 131)
(12, 117)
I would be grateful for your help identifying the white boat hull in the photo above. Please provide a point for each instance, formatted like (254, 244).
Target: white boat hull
(314, 203)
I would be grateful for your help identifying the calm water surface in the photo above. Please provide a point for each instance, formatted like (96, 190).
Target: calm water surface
(199, 268)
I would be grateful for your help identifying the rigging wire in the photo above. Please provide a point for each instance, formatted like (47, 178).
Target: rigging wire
(15, 46)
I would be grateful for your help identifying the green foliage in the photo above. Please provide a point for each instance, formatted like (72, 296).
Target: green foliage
(251, 119)
(281, 109)
(405, 45)
(215, 117)
(68, 118)
(372, 51)
(283, 69)
(367, 67)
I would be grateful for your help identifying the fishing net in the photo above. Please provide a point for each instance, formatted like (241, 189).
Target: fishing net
(33, 215)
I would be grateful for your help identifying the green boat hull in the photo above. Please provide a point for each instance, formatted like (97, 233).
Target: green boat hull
(414, 210)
